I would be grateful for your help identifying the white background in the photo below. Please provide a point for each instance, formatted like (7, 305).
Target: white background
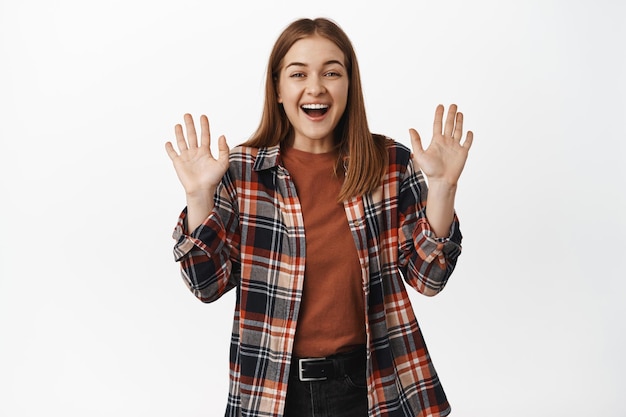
(94, 317)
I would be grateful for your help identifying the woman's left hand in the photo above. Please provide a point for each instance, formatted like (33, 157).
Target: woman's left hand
(445, 157)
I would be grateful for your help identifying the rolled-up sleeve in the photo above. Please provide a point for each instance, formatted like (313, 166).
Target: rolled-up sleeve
(209, 255)
(426, 261)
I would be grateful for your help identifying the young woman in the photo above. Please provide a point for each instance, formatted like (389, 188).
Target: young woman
(317, 223)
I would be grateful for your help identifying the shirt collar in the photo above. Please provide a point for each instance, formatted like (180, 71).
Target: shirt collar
(267, 158)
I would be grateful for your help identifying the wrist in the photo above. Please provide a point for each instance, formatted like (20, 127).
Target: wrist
(441, 186)
(201, 196)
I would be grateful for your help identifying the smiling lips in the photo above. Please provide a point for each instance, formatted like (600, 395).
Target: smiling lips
(315, 110)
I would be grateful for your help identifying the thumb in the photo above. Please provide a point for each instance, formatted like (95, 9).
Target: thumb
(223, 149)
(416, 142)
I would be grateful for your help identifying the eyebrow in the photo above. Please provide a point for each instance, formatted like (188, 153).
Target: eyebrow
(301, 64)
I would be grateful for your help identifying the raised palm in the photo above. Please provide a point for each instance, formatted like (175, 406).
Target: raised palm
(197, 169)
(445, 156)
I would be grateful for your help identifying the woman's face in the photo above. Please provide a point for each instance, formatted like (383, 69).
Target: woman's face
(313, 89)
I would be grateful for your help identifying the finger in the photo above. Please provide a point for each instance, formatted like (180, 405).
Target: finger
(170, 151)
(458, 127)
(180, 138)
(469, 139)
(449, 127)
(192, 138)
(437, 126)
(205, 132)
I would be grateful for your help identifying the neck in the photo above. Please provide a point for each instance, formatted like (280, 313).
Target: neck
(314, 146)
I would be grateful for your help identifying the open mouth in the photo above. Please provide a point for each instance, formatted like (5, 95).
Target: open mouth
(315, 110)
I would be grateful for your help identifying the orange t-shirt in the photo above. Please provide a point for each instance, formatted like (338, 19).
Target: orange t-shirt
(332, 313)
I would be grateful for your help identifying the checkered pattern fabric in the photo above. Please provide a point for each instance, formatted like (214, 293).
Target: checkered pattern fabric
(254, 241)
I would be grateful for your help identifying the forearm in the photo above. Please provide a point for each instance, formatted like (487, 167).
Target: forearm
(440, 207)
(431, 247)
(199, 206)
(207, 255)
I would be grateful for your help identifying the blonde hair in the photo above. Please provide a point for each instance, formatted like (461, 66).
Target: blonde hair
(362, 154)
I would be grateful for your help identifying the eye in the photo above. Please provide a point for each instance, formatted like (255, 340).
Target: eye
(332, 74)
(297, 75)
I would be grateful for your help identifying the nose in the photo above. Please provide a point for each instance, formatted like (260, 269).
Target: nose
(315, 86)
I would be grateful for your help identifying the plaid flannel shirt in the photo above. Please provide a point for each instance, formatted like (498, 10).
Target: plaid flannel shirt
(253, 241)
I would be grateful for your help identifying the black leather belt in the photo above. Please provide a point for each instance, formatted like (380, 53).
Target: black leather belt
(335, 366)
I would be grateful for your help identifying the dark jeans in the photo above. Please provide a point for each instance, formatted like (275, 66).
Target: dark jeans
(342, 396)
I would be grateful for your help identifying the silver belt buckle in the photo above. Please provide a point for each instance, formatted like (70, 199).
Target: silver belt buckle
(301, 371)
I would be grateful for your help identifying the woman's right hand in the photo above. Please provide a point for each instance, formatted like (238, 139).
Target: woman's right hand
(198, 171)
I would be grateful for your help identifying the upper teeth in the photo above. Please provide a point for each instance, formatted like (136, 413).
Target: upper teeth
(315, 106)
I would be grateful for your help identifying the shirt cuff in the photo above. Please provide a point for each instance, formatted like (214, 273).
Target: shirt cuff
(430, 247)
(205, 232)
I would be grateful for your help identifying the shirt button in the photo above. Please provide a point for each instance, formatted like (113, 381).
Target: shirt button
(356, 223)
